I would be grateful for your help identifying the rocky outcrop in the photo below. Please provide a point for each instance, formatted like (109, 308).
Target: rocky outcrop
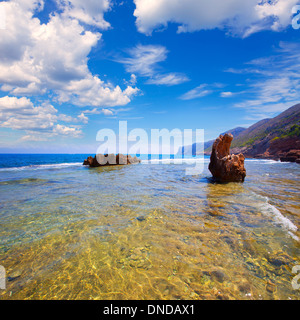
(271, 149)
(110, 160)
(270, 138)
(223, 166)
(291, 156)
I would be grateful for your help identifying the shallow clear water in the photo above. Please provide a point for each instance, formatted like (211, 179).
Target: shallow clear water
(147, 231)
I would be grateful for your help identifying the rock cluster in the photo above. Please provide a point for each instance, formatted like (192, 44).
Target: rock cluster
(110, 160)
(223, 166)
(291, 156)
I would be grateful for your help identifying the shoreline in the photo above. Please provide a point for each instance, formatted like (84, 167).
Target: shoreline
(261, 157)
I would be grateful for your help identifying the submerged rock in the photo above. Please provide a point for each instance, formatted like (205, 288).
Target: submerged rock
(218, 275)
(141, 218)
(109, 160)
(271, 287)
(224, 166)
(14, 275)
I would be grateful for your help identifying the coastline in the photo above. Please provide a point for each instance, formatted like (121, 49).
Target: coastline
(259, 157)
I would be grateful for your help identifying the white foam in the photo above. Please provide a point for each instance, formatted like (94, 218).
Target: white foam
(43, 166)
(267, 161)
(286, 223)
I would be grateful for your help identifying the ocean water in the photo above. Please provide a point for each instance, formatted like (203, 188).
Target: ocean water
(146, 231)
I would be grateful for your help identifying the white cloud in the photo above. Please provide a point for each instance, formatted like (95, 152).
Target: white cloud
(80, 118)
(133, 79)
(169, 79)
(275, 81)
(21, 114)
(198, 92)
(226, 94)
(93, 111)
(40, 58)
(90, 12)
(83, 118)
(235, 16)
(201, 91)
(269, 92)
(36, 5)
(67, 131)
(2, 17)
(33, 137)
(144, 60)
(107, 112)
(92, 91)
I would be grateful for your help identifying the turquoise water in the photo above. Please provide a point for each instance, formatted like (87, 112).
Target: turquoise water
(146, 231)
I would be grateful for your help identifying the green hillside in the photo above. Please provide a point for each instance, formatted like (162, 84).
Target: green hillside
(286, 124)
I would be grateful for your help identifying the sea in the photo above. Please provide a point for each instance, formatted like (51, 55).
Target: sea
(147, 231)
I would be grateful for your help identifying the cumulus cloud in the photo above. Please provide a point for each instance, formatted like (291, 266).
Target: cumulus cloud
(37, 121)
(107, 112)
(83, 118)
(90, 12)
(38, 58)
(235, 16)
(144, 60)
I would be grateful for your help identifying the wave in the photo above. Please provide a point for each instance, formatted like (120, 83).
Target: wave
(143, 161)
(262, 204)
(43, 166)
(262, 160)
(279, 218)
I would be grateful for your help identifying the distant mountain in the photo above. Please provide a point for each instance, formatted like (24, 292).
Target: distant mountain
(270, 138)
(195, 148)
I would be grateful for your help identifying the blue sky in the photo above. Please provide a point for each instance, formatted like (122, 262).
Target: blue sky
(71, 68)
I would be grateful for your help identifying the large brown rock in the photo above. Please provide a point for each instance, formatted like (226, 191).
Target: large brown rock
(223, 166)
(291, 156)
(109, 160)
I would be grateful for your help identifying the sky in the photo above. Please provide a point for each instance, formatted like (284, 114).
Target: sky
(71, 68)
